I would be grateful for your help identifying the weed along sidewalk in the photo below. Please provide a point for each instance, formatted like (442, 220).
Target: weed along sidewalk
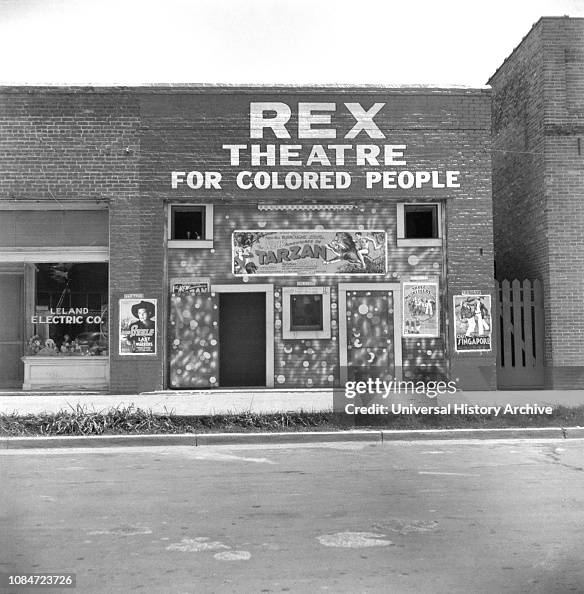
(561, 421)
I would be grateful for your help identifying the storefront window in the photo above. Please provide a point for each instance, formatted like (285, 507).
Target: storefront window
(71, 309)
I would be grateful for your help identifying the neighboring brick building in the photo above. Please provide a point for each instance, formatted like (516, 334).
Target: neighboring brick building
(330, 238)
(538, 182)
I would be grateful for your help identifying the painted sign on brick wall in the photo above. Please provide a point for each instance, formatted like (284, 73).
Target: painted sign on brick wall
(318, 145)
(309, 252)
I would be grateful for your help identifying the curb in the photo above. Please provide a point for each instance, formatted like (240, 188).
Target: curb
(478, 434)
(202, 439)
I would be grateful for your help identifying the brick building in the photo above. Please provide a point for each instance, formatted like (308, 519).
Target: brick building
(538, 182)
(211, 237)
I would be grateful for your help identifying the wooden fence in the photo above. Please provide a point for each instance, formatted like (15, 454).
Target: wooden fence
(520, 356)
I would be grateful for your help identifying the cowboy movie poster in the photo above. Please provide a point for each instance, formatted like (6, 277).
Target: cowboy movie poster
(473, 323)
(420, 309)
(309, 252)
(138, 327)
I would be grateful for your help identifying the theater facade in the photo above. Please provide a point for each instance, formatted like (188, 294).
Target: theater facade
(210, 238)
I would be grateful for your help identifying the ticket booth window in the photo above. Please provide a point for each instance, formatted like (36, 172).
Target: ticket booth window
(306, 312)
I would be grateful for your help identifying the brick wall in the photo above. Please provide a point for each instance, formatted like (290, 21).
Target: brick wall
(538, 187)
(60, 145)
(120, 145)
(76, 145)
(442, 129)
(564, 163)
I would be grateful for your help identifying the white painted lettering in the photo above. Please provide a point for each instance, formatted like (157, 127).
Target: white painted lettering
(177, 177)
(307, 119)
(365, 121)
(367, 154)
(277, 123)
(289, 154)
(257, 154)
(234, 150)
(392, 151)
(318, 156)
(452, 179)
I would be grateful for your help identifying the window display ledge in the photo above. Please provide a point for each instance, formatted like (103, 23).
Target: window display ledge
(71, 373)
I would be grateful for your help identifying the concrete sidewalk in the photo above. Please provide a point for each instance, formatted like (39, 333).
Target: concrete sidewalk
(205, 402)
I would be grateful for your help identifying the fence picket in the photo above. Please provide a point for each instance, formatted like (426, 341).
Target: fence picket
(517, 333)
(528, 304)
(506, 311)
(520, 364)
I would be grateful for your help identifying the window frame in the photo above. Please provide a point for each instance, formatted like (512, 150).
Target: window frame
(287, 332)
(205, 242)
(403, 241)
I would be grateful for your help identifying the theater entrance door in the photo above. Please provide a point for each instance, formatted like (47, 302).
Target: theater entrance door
(242, 339)
(369, 331)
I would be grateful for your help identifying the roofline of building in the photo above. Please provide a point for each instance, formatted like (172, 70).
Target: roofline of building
(229, 89)
(548, 18)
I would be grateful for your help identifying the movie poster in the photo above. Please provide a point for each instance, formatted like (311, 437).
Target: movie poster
(309, 252)
(420, 309)
(138, 327)
(473, 323)
(190, 286)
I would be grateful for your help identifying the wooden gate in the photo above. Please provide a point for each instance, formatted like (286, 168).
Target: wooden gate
(520, 356)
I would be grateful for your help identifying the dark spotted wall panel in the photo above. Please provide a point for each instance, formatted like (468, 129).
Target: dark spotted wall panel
(370, 340)
(194, 346)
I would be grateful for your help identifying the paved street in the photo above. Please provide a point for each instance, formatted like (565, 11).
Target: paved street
(347, 517)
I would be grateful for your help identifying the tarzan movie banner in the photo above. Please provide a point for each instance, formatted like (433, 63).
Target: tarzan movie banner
(473, 324)
(309, 252)
(420, 309)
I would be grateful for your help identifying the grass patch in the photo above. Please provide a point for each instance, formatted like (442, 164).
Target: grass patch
(135, 421)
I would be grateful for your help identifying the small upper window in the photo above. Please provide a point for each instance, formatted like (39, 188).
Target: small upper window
(188, 222)
(190, 225)
(421, 221)
(306, 313)
(419, 224)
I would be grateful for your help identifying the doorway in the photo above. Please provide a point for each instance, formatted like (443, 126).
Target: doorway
(370, 331)
(242, 339)
(12, 324)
